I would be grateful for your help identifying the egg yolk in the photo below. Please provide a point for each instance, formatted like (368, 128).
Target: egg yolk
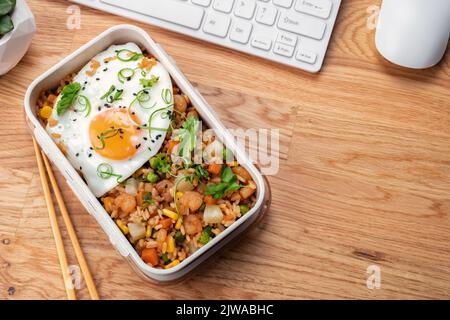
(113, 134)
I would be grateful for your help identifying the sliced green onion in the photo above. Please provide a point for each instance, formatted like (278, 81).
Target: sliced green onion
(126, 55)
(125, 74)
(107, 135)
(85, 104)
(105, 171)
(109, 92)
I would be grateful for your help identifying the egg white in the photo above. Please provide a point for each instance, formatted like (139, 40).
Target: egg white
(72, 128)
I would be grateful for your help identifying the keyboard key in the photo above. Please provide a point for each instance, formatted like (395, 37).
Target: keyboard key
(261, 42)
(217, 24)
(287, 38)
(266, 14)
(318, 8)
(306, 56)
(283, 3)
(245, 8)
(240, 31)
(167, 10)
(304, 25)
(283, 50)
(223, 5)
(204, 3)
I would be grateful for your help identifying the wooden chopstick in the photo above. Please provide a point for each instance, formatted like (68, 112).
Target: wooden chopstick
(71, 231)
(42, 159)
(55, 228)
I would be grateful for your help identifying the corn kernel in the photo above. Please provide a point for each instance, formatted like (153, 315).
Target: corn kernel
(170, 244)
(172, 215)
(46, 112)
(122, 226)
(179, 195)
(178, 224)
(172, 264)
(148, 232)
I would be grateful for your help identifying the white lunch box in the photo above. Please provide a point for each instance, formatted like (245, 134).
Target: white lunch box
(51, 78)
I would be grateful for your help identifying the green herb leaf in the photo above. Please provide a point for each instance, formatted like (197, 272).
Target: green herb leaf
(109, 92)
(201, 172)
(179, 237)
(148, 83)
(68, 95)
(165, 258)
(206, 235)
(228, 184)
(160, 163)
(228, 175)
(118, 95)
(188, 138)
(7, 6)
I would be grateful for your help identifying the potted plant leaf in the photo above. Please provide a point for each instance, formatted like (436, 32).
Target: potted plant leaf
(17, 27)
(6, 9)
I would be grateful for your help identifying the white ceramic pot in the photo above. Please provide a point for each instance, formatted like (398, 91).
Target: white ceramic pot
(14, 45)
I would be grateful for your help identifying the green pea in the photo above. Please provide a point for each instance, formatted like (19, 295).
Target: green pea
(152, 177)
(153, 162)
(244, 208)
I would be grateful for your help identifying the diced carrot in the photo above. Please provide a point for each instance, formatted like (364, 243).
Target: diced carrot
(166, 223)
(140, 198)
(52, 122)
(171, 145)
(209, 200)
(149, 255)
(51, 98)
(214, 168)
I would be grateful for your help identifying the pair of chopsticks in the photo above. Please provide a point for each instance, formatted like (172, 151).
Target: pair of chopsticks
(44, 165)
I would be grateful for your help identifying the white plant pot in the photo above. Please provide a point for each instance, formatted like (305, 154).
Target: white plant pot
(14, 45)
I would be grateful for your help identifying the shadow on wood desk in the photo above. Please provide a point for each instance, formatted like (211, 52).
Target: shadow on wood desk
(364, 176)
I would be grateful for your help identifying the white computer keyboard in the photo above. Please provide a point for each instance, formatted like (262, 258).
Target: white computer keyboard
(292, 32)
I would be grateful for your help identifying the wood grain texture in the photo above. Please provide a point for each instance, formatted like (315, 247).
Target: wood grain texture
(364, 176)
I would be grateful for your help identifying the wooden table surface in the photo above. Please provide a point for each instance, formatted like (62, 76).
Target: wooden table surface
(364, 175)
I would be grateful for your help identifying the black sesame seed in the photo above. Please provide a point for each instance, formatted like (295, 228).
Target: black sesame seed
(129, 78)
(106, 61)
(137, 146)
(91, 148)
(106, 69)
(90, 155)
(82, 89)
(99, 108)
(133, 113)
(77, 154)
(153, 141)
(85, 82)
(81, 168)
(149, 148)
(74, 120)
(98, 79)
(135, 94)
(145, 138)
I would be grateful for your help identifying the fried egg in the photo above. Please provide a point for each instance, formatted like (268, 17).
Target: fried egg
(114, 115)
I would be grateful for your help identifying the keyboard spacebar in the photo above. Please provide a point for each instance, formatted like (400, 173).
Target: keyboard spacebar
(168, 10)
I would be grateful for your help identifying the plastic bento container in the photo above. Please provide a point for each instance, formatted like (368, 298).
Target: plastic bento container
(51, 78)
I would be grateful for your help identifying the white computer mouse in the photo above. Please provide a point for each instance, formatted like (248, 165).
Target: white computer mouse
(413, 33)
